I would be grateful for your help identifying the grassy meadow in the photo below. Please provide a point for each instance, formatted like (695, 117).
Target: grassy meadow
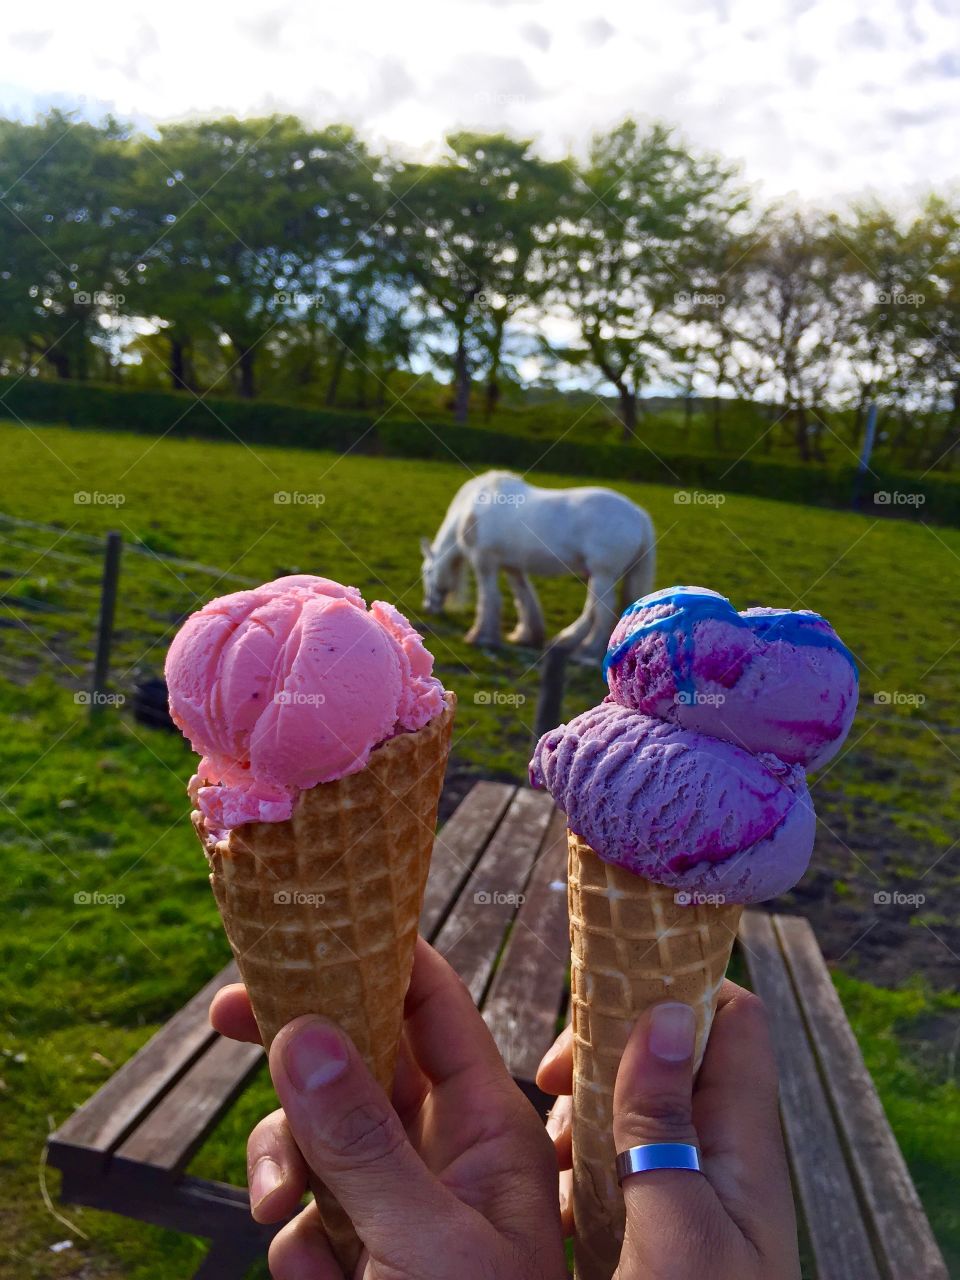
(101, 807)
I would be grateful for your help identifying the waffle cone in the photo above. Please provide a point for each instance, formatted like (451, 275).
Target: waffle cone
(321, 911)
(632, 946)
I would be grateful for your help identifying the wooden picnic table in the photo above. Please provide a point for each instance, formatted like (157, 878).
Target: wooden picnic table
(495, 906)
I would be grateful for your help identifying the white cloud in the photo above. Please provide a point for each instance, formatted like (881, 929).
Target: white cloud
(814, 96)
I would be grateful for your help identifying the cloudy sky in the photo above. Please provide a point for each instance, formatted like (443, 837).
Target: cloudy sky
(818, 97)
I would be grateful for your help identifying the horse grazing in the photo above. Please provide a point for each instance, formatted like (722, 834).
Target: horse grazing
(499, 521)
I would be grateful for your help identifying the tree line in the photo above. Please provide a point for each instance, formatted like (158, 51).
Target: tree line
(238, 256)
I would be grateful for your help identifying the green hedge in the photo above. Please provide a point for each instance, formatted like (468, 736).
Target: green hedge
(180, 414)
(787, 482)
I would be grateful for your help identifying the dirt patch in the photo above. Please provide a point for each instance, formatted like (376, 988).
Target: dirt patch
(860, 895)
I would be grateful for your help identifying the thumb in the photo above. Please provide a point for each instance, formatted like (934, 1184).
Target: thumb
(351, 1137)
(653, 1102)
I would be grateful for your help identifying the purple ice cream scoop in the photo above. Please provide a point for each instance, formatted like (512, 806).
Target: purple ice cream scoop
(678, 807)
(766, 679)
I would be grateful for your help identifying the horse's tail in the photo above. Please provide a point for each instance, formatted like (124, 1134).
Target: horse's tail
(640, 576)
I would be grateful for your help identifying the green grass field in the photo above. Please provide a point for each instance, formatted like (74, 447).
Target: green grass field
(102, 807)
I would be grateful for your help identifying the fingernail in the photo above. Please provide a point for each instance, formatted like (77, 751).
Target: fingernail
(315, 1056)
(264, 1180)
(554, 1126)
(673, 1031)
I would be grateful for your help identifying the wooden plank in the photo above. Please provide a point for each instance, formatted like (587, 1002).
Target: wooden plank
(119, 1105)
(458, 847)
(198, 1206)
(905, 1243)
(528, 989)
(174, 1129)
(838, 1235)
(229, 1257)
(472, 934)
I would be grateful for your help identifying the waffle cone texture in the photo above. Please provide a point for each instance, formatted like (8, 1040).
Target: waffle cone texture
(321, 911)
(633, 945)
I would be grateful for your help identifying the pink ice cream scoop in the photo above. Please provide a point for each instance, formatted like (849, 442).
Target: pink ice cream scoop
(677, 807)
(289, 685)
(767, 679)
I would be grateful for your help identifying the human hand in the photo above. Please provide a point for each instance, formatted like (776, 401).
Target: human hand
(735, 1223)
(457, 1177)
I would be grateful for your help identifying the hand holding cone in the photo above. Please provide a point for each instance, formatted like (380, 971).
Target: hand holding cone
(321, 911)
(685, 798)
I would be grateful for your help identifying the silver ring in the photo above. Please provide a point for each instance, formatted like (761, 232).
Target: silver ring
(657, 1155)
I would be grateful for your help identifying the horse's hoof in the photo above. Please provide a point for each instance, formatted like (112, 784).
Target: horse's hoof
(528, 638)
(482, 641)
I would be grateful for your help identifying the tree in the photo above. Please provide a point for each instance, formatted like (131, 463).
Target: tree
(790, 321)
(472, 224)
(253, 209)
(645, 212)
(62, 221)
(705, 337)
(933, 313)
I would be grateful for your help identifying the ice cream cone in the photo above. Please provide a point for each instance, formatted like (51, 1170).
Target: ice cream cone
(321, 911)
(633, 944)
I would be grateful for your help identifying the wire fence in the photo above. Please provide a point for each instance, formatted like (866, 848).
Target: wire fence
(53, 590)
(52, 597)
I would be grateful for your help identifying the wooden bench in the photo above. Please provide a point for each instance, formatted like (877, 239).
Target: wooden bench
(859, 1207)
(495, 906)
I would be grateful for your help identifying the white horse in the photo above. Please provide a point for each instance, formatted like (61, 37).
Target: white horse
(498, 521)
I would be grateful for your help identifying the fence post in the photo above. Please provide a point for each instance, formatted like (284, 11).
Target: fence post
(550, 696)
(864, 463)
(108, 600)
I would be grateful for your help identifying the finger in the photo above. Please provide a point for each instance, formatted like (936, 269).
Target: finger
(447, 1034)
(276, 1172)
(653, 1103)
(354, 1141)
(475, 1104)
(555, 1073)
(300, 1249)
(410, 1085)
(232, 1016)
(566, 1202)
(736, 1112)
(560, 1128)
(653, 1099)
(473, 1099)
